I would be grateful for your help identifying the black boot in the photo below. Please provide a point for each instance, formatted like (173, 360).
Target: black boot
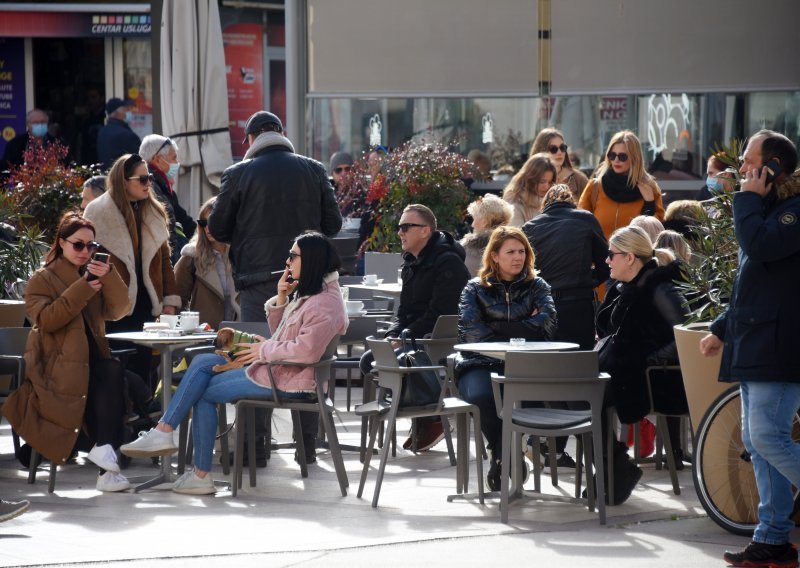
(493, 477)
(310, 443)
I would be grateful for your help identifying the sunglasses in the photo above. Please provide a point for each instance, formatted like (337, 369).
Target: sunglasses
(144, 179)
(293, 255)
(403, 227)
(554, 149)
(610, 254)
(202, 223)
(166, 143)
(341, 169)
(623, 157)
(78, 246)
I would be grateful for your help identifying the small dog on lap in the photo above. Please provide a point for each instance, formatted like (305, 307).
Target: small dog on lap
(225, 346)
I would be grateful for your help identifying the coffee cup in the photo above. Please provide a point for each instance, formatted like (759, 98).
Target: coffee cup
(370, 279)
(169, 319)
(354, 306)
(189, 321)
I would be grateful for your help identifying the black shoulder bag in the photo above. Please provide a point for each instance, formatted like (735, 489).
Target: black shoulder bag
(420, 388)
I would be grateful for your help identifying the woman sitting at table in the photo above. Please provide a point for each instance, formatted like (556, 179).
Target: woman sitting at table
(506, 300)
(73, 394)
(639, 312)
(304, 317)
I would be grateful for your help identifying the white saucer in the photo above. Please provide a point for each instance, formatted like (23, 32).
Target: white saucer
(357, 314)
(378, 282)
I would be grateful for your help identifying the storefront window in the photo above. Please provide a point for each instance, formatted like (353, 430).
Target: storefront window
(139, 83)
(776, 111)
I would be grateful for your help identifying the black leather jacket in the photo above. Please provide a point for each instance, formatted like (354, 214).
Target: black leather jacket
(267, 201)
(502, 311)
(176, 214)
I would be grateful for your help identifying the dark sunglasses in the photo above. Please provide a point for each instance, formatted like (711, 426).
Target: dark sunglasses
(554, 149)
(203, 223)
(293, 255)
(610, 254)
(341, 169)
(78, 246)
(403, 227)
(166, 143)
(623, 157)
(143, 179)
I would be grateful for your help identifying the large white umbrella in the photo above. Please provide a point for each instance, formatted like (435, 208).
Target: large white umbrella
(194, 96)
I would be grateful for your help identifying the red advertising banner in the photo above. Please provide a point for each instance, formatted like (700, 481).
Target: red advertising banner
(244, 64)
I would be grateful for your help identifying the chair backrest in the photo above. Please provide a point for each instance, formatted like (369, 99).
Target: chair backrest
(384, 264)
(446, 326)
(442, 340)
(359, 329)
(322, 375)
(13, 340)
(12, 313)
(347, 246)
(256, 327)
(558, 376)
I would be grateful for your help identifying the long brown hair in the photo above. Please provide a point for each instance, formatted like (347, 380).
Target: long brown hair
(71, 222)
(499, 236)
(542, 142)
(121, 170)
(204, 249)
(518, 191)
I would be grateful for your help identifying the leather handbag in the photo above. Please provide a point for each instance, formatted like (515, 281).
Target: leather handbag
(420, 388)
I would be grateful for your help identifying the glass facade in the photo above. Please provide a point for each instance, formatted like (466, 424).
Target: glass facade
(137, 63)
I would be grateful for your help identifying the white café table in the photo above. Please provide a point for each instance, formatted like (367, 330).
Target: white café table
(167, 346)
(390, 288)
(498, 349)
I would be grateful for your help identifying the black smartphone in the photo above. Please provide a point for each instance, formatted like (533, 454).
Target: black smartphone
(100, 257)
(773, 170)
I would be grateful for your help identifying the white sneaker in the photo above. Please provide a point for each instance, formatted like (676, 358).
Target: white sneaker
(149, 444)
(110, 482)
(191, 484)
(104, 457)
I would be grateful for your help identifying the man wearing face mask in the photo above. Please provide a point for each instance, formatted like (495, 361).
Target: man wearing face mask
(36, 124)
(161, 155)
(116, 137)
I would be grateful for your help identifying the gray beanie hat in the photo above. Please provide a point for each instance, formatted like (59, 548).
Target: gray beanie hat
(341, 159)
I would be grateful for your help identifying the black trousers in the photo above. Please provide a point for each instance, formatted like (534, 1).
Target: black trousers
(105, 405)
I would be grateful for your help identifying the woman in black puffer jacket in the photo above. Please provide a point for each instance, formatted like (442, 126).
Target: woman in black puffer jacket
(506, 300)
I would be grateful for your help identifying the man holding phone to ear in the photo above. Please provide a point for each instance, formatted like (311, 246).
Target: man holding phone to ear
(759, 335)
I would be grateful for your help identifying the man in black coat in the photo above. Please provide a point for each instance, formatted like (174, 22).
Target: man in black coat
(434, 274)
(117, 138)
(36, 125)
(265, 201)
(760, 335)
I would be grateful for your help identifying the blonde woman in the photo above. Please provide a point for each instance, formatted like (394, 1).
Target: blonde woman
(525, 192)
(621, 188)
(652, 226)
(551, 140)
(204, 275)
(487, 212)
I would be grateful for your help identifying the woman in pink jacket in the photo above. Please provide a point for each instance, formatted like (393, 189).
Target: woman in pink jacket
(304, 317)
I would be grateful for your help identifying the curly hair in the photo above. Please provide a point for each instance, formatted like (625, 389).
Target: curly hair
(491, 209)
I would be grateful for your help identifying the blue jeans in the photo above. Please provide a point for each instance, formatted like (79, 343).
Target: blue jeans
(475, 386)
(201, 390)
(768, 410)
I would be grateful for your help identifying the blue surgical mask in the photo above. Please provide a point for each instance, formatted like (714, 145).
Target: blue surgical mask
(129, 116)
(713, 184)
(172, 173)
(39, 130)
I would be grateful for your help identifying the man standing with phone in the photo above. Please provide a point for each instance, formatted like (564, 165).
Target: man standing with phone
(759, 335)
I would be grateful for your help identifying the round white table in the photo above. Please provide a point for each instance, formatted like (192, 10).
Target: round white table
(166, 345)
(498, 349)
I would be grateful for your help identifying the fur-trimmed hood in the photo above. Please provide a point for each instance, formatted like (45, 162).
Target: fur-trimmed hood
(112, 234)
(267, 139)
(790, 186)
(477, 241)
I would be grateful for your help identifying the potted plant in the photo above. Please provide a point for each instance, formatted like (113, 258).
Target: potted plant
(708, 286)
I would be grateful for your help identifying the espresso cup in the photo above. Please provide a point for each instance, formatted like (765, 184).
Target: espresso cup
(370, 279)
(190, 321)
(354, 306)
(169, 319)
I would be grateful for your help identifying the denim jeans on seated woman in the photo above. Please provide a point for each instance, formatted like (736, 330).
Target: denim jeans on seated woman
(201, 390)
(475, 386)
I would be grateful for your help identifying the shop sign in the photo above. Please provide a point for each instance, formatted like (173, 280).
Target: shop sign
(73, 24)
(12, 90)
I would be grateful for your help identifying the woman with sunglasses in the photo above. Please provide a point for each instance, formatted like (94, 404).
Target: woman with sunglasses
(133, 227)
(204, 276)
(70, 399)
(304, 317)
(551, 140)
(525, 192)
(639, 311)
(622, 188)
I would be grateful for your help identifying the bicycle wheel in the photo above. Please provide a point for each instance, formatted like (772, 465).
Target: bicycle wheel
(722, 471)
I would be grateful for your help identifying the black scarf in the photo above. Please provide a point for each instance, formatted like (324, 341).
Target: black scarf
(617, 189)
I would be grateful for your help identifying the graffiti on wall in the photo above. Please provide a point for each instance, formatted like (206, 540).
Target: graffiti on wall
(669, 121)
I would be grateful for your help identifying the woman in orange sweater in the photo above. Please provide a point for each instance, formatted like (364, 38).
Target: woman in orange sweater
(622, 188)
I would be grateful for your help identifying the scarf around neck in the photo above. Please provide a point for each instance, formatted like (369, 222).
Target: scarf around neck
(617, 189)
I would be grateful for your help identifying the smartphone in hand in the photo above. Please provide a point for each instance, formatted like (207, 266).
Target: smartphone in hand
(100, 257)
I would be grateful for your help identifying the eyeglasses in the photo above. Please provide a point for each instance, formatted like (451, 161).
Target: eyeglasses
(554, 149)
(78, 246)
(403, 227)
(623, 157)
(293, 255)
(610, 254)
(143, 179)
(341, 169)
(203, 223)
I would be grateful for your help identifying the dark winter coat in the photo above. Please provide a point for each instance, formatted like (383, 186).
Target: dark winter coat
(760, 328)
(179, 236)
(432, 284)
(641, 313)
(502, 311)
(115, 139)
(267, 200)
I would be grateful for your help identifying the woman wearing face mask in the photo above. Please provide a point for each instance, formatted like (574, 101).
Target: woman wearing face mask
(717, 179)
(162, 159)
(551, 140)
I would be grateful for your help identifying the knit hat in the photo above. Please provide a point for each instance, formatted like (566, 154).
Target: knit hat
(340, 159)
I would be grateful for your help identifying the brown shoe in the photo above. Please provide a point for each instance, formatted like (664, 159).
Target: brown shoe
(429, 433)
